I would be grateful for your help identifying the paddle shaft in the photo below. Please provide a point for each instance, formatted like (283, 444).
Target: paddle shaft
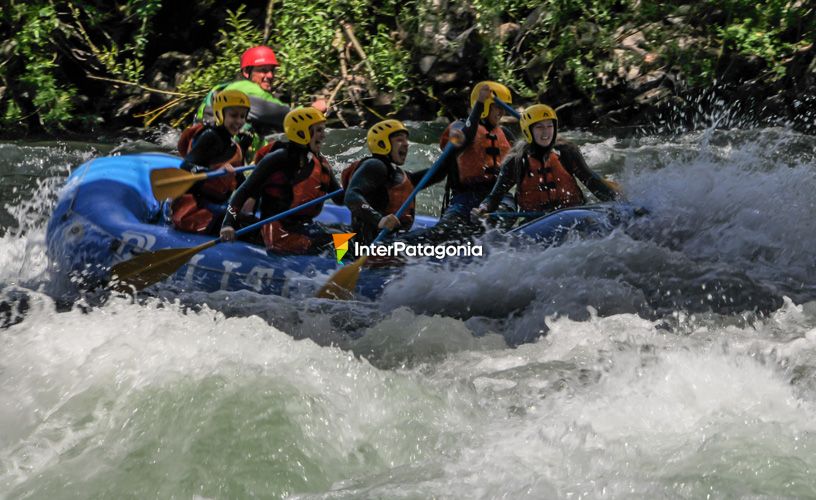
(195, 177)
(507, 107)
(287, 213)
(421, 184)
(219, 173)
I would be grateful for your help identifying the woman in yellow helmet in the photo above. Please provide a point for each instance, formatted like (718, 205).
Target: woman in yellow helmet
(209, 148)
(289, 176)
(545, 171)
(376, 186)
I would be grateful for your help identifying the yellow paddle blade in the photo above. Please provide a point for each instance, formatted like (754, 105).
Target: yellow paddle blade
(614, 186)
(172, 182)
(151, 267)
(343, 282)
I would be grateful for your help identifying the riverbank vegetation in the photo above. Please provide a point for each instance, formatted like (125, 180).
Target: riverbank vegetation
(91, 65)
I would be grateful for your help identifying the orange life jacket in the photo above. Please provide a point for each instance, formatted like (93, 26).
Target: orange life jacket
(397, 194)
(480, 161)
(547, 186)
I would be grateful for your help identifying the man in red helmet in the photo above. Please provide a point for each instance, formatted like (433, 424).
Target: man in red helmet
(266, 114)
(258, 65)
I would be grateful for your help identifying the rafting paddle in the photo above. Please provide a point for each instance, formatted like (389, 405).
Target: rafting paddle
(342, 283)
(515, 114)
(151, 267)
(174, 182)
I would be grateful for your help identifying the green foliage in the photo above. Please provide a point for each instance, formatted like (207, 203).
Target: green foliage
(238, 35)
(698, 66)
(575, 36)
(51, 98)
(564, 44)
(125, 59)
(759, 34)
(390, 62)
(305, 34)
(500, 63)
(577, 39)
(38, 50)
(303, 37)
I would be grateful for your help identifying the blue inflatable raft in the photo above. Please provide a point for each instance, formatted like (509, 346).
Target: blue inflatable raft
(107, 214)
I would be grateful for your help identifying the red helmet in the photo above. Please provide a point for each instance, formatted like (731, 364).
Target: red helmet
(258, 56)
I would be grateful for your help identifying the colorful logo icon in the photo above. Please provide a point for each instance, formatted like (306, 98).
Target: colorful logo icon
(341, 244)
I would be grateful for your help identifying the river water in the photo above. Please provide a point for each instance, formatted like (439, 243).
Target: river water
(674, 358)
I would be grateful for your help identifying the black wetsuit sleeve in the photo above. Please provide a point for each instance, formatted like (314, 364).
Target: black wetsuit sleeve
(209, 147)
(508, 176)
(371, 176)
(574, 162)
(471, 126)
(333, 186)
(253, 186)
(265, 114)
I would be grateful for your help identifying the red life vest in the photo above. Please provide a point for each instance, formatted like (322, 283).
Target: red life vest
(480, 161)
(397, 194)
(348, 172)
(547, 186)
(185, 142)
(189, 217)
(311, 187)
(276, 236)
(266, 149)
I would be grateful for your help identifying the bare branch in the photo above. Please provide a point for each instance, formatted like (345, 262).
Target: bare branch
(145, 87)
(270, 8)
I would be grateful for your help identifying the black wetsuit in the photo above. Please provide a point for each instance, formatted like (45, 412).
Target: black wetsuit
(367, 193)
(271, 184)
(212, 146)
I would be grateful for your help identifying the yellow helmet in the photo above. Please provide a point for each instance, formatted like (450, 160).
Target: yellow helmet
(228, 99)
(534, 114)
(297, 122)
(378, 138)
(500, 90)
